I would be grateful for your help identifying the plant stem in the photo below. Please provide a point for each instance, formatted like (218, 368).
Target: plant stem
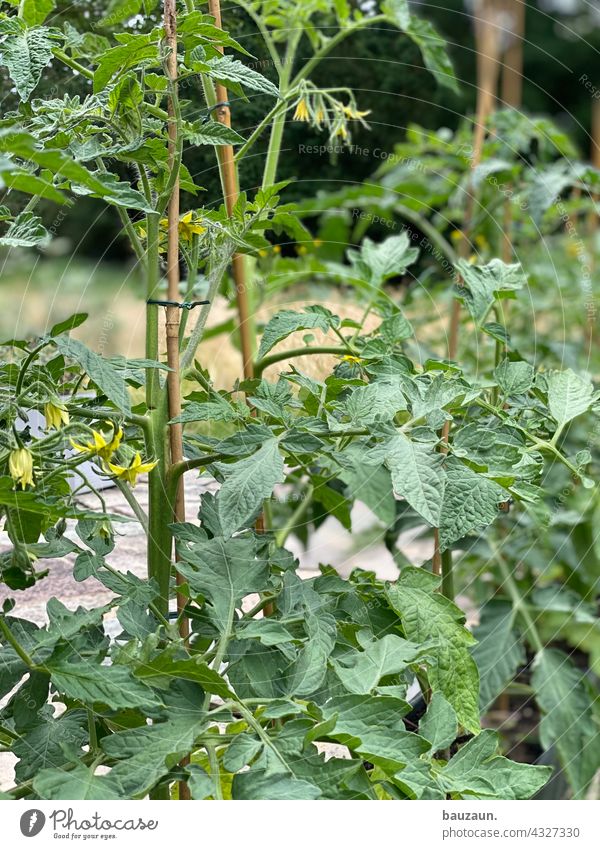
(10, 638)
(274, 149)
(292, 522)
(447, 574)
(215, 770)
(516, 597)
(133, 503)
(307, 350)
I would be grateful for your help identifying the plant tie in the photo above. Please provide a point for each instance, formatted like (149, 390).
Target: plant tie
(206, 118)
(184, 305)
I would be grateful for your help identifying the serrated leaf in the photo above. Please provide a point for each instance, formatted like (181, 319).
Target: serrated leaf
(247, 483)
(483, 283)
(375, 401)
(226, 70)
(569, 395)
(287, 321)
(26, 51)
(514, 378)
(78, 783)
(569, 722)
(240, 752)
(470, 502)
(213, 132)
(370, 484)
(223, 571)
(439, 725)
(478, 771)
(377, 262)
(310, 668)
(41, 746)
(433, 50)
(361, 671)
(428, 615)
(102, 373)
(111, 685)
(25, 231)
(498, 653)
(356, 715)
(164, 668)
(145, 754)
(258, 784)
(35, 12)
(417, 476)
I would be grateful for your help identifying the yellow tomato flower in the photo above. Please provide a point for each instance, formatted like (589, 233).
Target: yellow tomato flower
(187, 227)
(302, 113)
(350, 112)
(456, 235)
(349, 358)
(481, 242)
(101, 446)
(56, 415)
(317, 242)
(131, 472)
(20, 466)
(277, 249)
(301, 250)
(342, 132)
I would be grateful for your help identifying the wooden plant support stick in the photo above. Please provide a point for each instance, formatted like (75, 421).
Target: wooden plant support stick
(488, 53)
(512, 65)
(173, 317)
(231, 191)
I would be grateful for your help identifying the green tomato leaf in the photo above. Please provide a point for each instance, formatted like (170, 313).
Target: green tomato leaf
(35, 12)
(361, 671)
(78, 783)
(310, 668)
(569, 721)
(417, 476)
(25, 231)
(227, 70)
(514, 378)
(258, 784)
(223, 571)
(477, 771)
(470, 502)
(439, 725)
(377, 262)
(568, 395)
(107, 378)
(247, 483)
(427, 615)
(41, 746)
(111, 685)
(484, 283)
(212, 132)
(287, 321)
(498, 653)
(25, 52)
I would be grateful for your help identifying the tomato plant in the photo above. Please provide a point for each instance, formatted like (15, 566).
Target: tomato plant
(232, 676)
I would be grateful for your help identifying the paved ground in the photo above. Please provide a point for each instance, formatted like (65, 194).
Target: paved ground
(331, 544)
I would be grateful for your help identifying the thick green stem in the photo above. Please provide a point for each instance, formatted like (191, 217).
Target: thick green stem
(261, 365)
(152, 285)
(447, 575)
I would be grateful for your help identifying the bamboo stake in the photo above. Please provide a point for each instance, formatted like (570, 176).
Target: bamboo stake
(512, 66)
(231, 191)
(488, 53)
(173, 317)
